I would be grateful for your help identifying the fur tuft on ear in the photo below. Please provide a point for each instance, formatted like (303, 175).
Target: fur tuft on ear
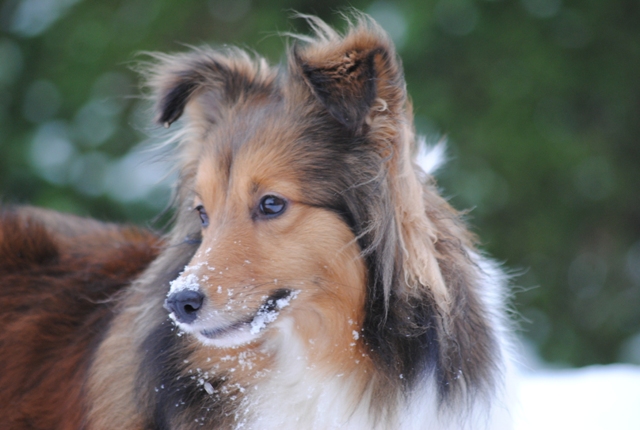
(351, 74)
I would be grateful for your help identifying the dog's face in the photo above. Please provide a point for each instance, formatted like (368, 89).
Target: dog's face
(303, 189)
(312, 220)
(271, 250)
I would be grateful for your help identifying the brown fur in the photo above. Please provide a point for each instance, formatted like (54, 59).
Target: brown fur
(59, 276)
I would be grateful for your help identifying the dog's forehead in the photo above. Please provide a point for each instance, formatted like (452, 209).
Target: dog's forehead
(253, 148)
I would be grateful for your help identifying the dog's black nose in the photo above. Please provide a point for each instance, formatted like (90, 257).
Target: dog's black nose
(184, 305)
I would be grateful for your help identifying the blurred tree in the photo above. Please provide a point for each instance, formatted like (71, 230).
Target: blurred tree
(539, 100)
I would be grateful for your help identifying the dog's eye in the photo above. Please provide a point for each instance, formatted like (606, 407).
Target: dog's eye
(204, 218)
(272, 206)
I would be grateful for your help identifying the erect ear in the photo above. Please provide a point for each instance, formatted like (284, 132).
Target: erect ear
(359, 80)
(350, 74)
(178, 79)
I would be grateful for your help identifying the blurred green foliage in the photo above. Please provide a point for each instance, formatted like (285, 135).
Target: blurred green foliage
(539, 100)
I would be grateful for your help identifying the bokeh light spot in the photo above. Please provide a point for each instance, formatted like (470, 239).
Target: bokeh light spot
(41, 101)
(51, 151)
(32, 17)
(96, 121)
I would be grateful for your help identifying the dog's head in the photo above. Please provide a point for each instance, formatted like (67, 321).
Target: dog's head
(299, 185)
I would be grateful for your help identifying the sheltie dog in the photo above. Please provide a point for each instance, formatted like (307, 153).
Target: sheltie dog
(314, 277)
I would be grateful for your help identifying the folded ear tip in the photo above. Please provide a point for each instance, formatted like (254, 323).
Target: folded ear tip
(168, 116)
(172, 104)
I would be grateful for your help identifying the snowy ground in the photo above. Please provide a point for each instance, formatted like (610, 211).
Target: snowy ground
(590, 398)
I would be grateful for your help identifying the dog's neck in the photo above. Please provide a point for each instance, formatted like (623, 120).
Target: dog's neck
(332, 372)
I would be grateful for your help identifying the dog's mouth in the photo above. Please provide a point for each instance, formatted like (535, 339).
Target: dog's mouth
(246, 329)
(221, 332)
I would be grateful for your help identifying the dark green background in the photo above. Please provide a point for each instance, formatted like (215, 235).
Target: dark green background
(539, 100)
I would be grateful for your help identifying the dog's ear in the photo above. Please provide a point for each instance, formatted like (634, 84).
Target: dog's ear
(353, 76)
(359, 80)
(223, 76)
(177, 79)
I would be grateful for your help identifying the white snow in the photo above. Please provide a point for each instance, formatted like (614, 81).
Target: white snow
(264, 317)
(589, 398)
(261, 320)
(184, 282)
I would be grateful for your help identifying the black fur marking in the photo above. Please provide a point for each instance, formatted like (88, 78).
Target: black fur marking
(173, 394)
(404, 339)
(173, 103)
(271, 303)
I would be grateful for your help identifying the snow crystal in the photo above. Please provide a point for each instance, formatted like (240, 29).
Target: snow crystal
(188, 282)
(261, 320)
(266, 316)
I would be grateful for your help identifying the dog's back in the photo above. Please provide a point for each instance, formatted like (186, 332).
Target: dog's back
(59, 277)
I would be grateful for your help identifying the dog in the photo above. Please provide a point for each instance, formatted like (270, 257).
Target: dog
(314, 277)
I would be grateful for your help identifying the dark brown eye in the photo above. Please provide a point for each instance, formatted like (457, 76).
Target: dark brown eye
(272, 206)
(204, 218)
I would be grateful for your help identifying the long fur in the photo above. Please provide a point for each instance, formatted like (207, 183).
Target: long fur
(362, 304)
